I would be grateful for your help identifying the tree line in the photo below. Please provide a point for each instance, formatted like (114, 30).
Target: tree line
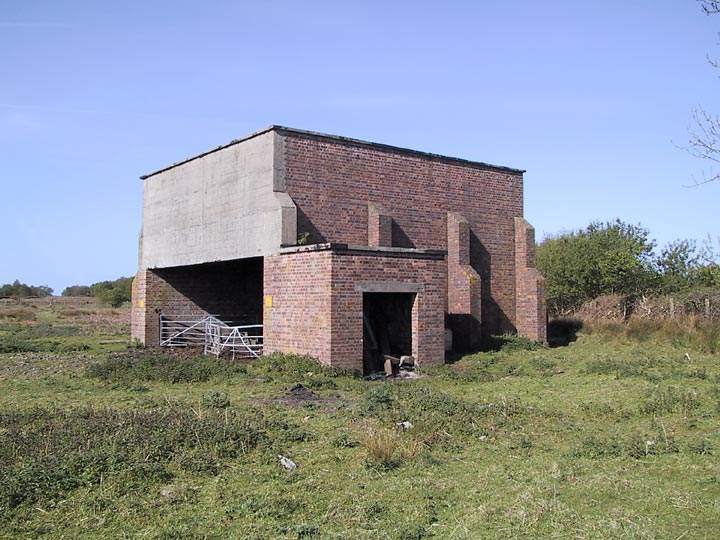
(113, 293)
(22, 290)
(620, 259)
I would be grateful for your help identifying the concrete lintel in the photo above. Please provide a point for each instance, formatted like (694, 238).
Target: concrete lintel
(345, 249)
(398, 252)
(388, 287)
(286, 250)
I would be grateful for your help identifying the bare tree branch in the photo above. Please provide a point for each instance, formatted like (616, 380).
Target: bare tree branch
(704, 142)
(710, 6)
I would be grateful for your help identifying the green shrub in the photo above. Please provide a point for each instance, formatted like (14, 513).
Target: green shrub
(292, 367)
(77, 290)
(153, 366)
(670, 400)
(633, 445)
(113, 293)
(604, 258)
(46, 453)
(216, 400)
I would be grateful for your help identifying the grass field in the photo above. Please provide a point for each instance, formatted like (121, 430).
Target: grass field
(615, 436)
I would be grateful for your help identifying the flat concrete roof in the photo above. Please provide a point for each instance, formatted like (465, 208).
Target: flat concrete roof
(346, 140)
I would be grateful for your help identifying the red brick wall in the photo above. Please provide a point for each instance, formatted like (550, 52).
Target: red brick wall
(138, 313)
(152, 295)
(298, 319)
(379, 226)
(531, 310)
(332, 181)
(464, 286)
(350, 269)
(317, 306)
(364, 194)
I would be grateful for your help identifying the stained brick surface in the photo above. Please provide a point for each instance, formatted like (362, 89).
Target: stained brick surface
(332, 181)
(297, 313)
(317, 302)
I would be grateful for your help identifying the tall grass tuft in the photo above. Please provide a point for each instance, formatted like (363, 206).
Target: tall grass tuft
(692, 333)
(382, 447)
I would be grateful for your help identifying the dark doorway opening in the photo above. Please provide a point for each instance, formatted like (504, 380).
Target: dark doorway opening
(229, 290)
(387, 328)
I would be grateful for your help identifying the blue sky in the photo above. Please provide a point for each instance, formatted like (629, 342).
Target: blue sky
(593, 99)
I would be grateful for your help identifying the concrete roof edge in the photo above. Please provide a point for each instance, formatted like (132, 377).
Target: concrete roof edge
(354, 248)
(391, 148)
(216, 149)
(338, 138)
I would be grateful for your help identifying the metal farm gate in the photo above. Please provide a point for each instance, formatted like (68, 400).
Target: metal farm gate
(214, 335)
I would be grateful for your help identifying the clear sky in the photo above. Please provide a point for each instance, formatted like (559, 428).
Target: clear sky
(593, 99)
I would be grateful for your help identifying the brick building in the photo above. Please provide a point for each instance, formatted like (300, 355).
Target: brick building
(343, 249)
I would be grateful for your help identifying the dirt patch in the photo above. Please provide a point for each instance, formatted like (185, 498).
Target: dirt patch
(299, 395)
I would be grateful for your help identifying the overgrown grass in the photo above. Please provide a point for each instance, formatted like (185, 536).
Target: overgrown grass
(615, 436)
(45, 454)
(36, 338)
(127, 368)
(691, 333)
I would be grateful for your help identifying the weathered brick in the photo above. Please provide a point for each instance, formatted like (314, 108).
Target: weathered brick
(363, 194)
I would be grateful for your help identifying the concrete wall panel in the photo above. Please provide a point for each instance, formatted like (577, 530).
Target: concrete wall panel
(219, 207)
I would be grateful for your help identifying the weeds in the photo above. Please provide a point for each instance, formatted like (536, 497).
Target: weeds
(670, 400)
(344, 440)
(382, 447)
(291, 367)
(438, 411)
(626, 429)
(633, 445)
(18, 314)
(509, 343)
(127, 368)
(691, 333)
(216, 400)
(46, 453)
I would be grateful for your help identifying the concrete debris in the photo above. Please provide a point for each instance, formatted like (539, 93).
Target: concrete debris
(390, 364)
(288, 463)
(407, 361)
(402, 367)
(407, 375)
